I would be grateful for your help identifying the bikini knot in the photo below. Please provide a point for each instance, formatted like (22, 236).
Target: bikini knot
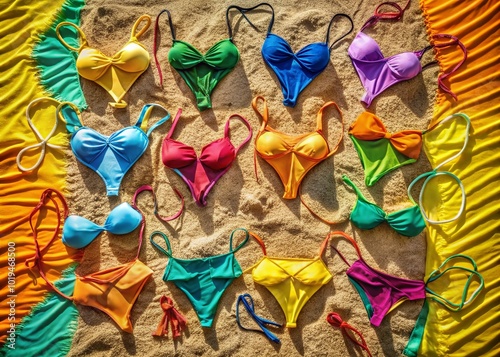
(334, 319)
(172, 316)
(387, 135)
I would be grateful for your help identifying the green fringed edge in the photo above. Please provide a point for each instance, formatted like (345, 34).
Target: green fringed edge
(65, 323)
(57, 64)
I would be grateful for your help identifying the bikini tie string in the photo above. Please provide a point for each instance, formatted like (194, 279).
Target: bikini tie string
(335, 320)
(247, 302)
(170, 315)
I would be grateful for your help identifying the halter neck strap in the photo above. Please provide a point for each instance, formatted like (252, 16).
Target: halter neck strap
(378, 15)
(244, 10)
(327, 40)
(245, 122)
(260, 241)
(431, 174)
(44, 142)
(247, 301)
(264, 116)
(335, 320)
(83, 39)
(350, 239)
(454, 41)
(319, 121)
(174, 123)
(167, 252)
(455, 116)
(150, 189)
(142, 122)
(134, 35)
(37, 260)
(69, 114)
(247, 235)
(155, 42)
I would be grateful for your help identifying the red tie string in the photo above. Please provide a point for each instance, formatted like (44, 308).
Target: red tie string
(170, 314)
(335, 320)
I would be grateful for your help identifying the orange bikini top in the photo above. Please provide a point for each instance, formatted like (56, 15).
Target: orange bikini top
(117, 73)
(292, 156)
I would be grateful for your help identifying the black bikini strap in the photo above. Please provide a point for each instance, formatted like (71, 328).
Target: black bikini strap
(167, 252)
(243, 10)
(150, 189)
(327, 40)
(174, 124)
(155, 44)
(386, 15)
(247, 235)
(244, 121)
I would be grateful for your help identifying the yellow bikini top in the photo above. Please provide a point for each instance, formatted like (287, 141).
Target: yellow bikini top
(117, 73)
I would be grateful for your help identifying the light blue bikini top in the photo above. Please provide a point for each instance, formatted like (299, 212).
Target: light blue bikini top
(78, 231)
(110, 156)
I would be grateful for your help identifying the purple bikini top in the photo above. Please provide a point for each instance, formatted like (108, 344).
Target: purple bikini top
(377, 73)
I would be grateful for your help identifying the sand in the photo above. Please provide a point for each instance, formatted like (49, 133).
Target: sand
(238, 199)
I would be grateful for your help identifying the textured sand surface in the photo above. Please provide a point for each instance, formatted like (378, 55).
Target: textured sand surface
(238, 200)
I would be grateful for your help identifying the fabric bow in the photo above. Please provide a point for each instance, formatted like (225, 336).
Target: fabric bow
(170, 314)
(335, 320)
(369, 127)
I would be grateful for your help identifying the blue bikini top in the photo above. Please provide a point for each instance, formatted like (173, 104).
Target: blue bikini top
(110, 156)
(78, 231)
(295, 70)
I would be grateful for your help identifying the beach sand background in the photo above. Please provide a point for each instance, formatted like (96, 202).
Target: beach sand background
(238, 199)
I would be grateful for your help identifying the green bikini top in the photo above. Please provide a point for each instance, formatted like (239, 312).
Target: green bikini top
(381, 151)
(409, 221)
(201, 72)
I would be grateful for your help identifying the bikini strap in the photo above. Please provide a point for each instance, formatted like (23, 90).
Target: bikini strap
(323, 246)
(150, 189)
(231, 250)
(83, 39)
(244, 121)
(174, 124)
(377, 16)
(264, 116)
(167, 252)
(455, 116)
(417, 334)
(133, 35)
(442, 77)
(351, 184)
(170, 316)
(69, 114)
(473, 273)
(431, 174)
(142, 122)
(243, 10)
(247, 301)
(320, 124)
(155, 43)
(335, 320)
(260, 241)
(350, 239)
(44, 142)
(327, 40)
(37, 260)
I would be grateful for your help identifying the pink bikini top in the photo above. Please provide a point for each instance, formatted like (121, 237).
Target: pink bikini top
(201, 172)
(377, 73)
